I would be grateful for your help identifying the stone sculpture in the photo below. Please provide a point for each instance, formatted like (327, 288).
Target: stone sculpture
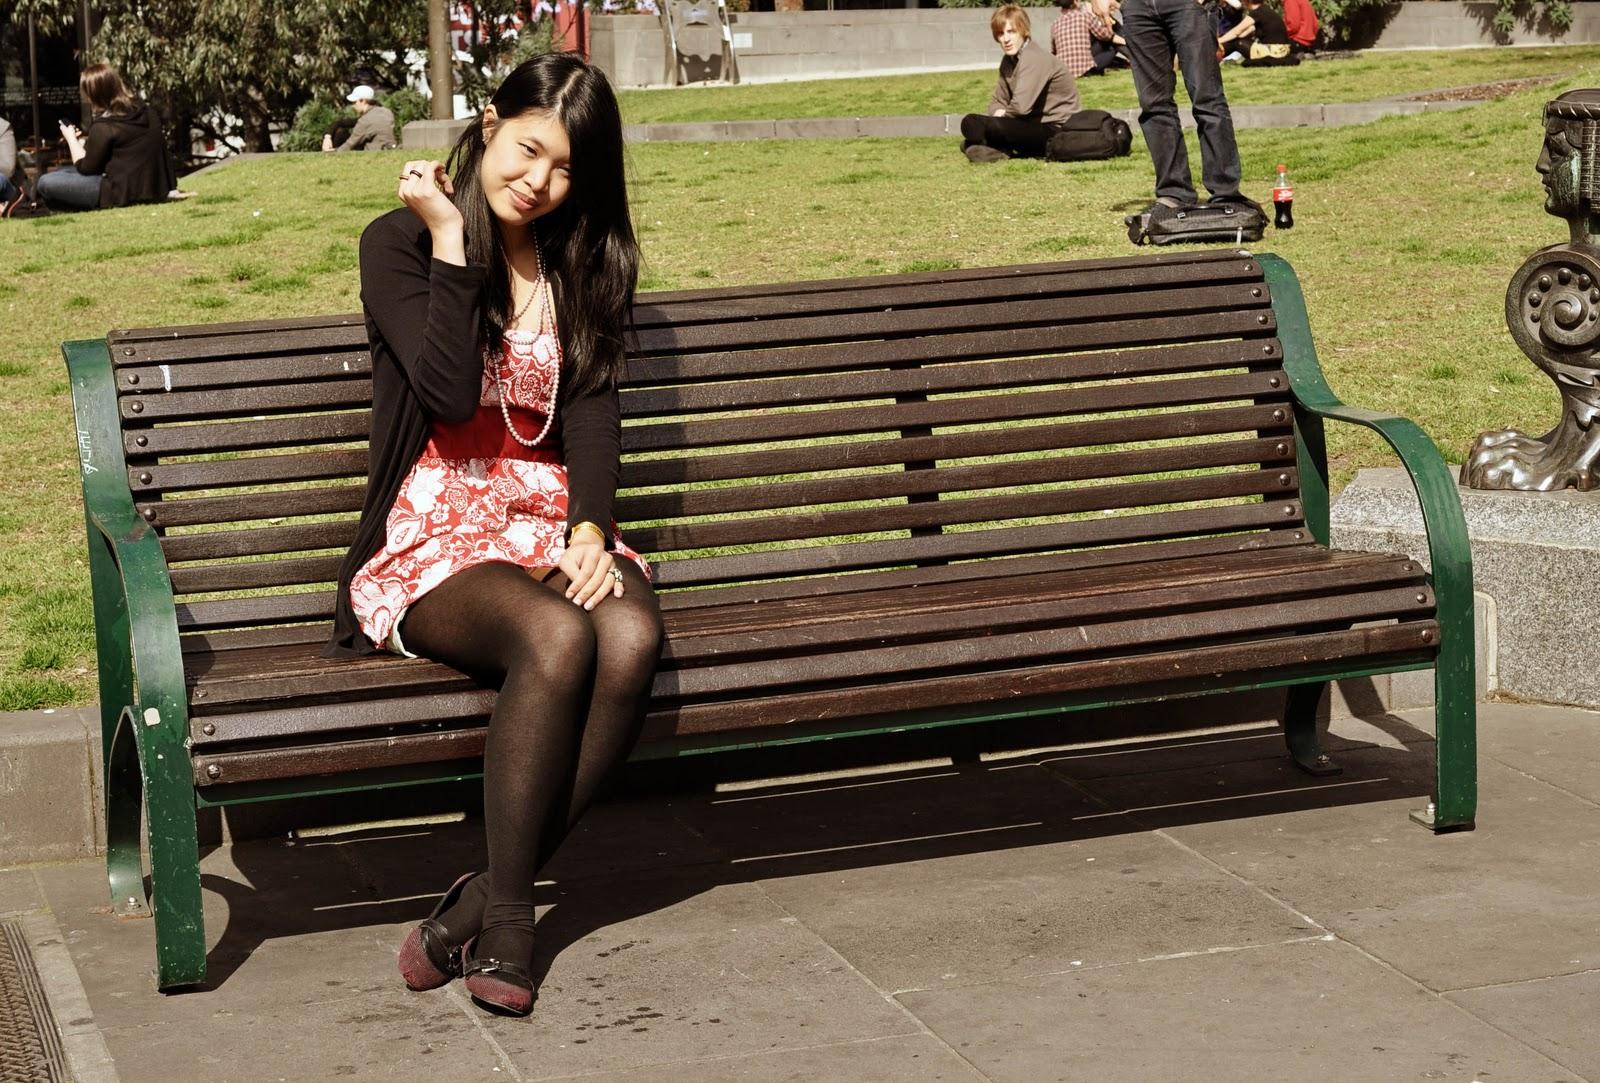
(1553, 311)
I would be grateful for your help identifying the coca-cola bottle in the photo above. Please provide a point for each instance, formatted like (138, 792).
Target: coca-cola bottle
(1283, 200)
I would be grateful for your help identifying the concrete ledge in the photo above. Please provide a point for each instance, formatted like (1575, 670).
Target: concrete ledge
(50, 785)
(432, 133)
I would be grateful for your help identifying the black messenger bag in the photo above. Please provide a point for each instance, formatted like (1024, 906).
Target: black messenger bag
(1088, 136)
(1207, 223)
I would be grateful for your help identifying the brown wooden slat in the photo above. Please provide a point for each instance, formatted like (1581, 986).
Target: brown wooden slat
(1283, 571)
(245, 371)
(970, 376)
(1048, 564)
(1013, 439)
(1155, 675)
(401, 711)
(973, 410)
(258, 575)
(209, 342)
(1173, 349)
(966, 545)
(834, 327)
(895, 292)
(796, 526)
(144, 407)
(270, 609)
(259, 541)
(1213, 258)
(202, 644)
(945, 480)
(301, 431)
(252, 470)
(888, 644)
(282, 504)
(1280, 618)
(336, 758)
(1150, 673)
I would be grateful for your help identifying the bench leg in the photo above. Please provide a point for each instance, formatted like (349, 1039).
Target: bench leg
(161, 775)
(124, 822)
(1454, 806)
(1300, 730)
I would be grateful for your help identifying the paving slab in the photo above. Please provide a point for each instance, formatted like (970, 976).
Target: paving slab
(380, 1035)
(1316, 1010)
(912, 1058)
(1556, 1016)
(1557, 745)
(18, 891)
(962, 875)
(1513, 900)
(652, 970)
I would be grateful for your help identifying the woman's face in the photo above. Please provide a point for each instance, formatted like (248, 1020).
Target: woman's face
(1011, 39)
(527, 166)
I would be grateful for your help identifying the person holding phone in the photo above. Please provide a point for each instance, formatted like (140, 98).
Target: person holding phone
(496, 301)
(120, 161)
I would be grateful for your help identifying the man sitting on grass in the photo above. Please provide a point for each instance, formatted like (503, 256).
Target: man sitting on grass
(374, 129)
(1033, 97)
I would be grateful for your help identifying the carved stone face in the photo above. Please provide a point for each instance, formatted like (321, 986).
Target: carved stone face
(1571, 122)
(1561, 163)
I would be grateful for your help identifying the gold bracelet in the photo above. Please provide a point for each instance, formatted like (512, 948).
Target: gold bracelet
(586, 525)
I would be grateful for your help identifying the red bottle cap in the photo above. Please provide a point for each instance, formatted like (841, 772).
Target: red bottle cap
(1282, 168)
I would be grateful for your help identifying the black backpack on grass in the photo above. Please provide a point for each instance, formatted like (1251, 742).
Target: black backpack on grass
(1088, 136)
(1206, 223)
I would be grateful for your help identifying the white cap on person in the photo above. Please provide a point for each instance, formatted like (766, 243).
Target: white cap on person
(362, 93)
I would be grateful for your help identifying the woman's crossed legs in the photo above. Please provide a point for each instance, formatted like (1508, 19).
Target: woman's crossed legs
(573, 685)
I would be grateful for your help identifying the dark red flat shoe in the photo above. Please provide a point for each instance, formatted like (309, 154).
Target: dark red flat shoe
(496, 986)
(427, 961)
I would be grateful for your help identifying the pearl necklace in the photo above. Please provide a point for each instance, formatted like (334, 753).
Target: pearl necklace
(546, 316)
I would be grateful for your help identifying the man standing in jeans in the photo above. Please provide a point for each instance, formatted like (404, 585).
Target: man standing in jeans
(1156, 31)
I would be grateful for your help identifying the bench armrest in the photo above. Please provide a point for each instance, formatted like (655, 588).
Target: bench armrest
(136, 626)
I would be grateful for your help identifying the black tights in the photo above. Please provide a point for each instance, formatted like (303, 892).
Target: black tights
(573, 685)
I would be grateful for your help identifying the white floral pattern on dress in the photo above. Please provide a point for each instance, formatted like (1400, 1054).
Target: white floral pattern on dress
(455, 512)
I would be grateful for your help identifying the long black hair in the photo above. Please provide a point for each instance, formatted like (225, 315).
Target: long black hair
(590, 252)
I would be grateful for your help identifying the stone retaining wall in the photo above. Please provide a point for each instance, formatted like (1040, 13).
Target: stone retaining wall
(774, 46)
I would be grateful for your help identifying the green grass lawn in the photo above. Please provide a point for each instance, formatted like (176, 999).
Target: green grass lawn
(1346, 79)
(1407, 232)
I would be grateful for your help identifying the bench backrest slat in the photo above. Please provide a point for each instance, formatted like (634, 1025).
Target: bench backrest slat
(772, 433)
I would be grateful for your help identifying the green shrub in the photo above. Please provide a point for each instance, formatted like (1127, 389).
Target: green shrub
(311, 122)
(407, 105)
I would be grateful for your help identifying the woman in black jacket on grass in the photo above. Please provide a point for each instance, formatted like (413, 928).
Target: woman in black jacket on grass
(496, 301)
(121, 160)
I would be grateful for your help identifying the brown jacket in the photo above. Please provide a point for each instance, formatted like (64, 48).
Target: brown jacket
(1034, 85)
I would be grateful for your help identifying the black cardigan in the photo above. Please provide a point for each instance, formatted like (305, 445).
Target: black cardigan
(424, 324)
(130, 152)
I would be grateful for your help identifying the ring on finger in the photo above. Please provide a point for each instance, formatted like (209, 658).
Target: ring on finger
(616, 574)
(414, 173)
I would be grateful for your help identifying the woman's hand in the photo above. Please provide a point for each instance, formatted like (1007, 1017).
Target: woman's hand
(588, 568)
(425, 187)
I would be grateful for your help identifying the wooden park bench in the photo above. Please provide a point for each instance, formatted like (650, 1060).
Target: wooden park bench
(871, 504)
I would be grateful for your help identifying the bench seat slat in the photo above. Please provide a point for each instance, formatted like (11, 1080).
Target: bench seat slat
(284, 504)
(1072, 345)
(256, 575)
(968, 410)
(1201, 263)
(233, 402)
(224, 436)
(971, 545)
(953, 479)
(836, 522)
(246, 372)
(252, 470)
(1160, 673)
(937, 627)
(1012, 439)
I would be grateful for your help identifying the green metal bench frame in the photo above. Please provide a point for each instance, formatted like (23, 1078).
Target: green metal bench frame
(144, 708)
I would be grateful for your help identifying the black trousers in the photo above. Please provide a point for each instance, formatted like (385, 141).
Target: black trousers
(1017, 137)
(1156, 31)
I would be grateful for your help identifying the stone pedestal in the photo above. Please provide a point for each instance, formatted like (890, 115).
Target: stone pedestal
(1536, 570)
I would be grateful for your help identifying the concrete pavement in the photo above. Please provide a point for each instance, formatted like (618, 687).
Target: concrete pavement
(1186, 907)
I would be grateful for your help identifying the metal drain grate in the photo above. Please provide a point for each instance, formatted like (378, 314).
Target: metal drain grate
(30, 1046)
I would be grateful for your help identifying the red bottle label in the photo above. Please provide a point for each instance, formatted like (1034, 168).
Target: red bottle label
(1282, 195)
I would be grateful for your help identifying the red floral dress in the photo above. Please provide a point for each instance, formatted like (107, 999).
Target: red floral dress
(475, 495)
